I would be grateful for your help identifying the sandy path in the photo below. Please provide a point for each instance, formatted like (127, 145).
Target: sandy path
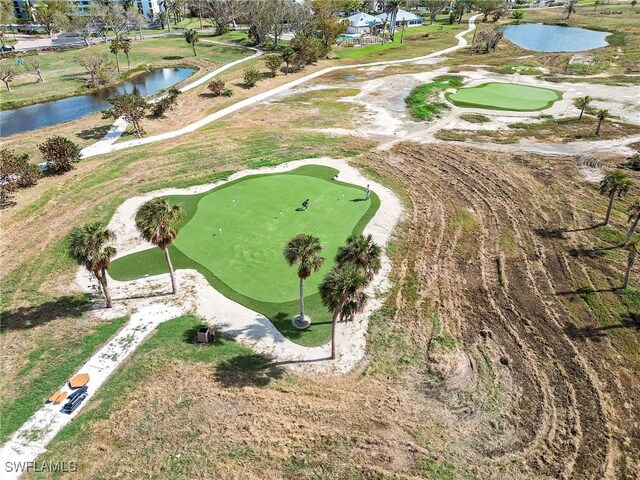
(107, 147)
(197, 296)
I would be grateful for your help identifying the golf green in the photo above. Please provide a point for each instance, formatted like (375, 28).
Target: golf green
(235, 235)
(504, 96)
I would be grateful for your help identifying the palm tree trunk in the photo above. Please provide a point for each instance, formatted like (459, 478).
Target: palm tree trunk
(102, 278)
(128, 62)
(606, 218)
(193, 45)
(598, 128)
(333, 334)
(632, 229)
(630, 262)
(174, 288)
(117, 63)
(301, 301)
(581, 113)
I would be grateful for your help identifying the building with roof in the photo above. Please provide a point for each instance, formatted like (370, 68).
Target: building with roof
(412, 20)
(362, 23)
(20, 7)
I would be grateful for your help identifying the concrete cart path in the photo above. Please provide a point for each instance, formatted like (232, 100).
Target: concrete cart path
(106, 147)
(120, 125)
(32, 438)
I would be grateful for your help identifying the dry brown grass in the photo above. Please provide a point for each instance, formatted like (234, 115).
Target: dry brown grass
(492, 243)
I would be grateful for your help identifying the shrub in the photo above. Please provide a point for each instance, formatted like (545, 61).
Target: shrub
(165, 103)
(251, 76)
(15, 172)
(216, 87)
(273, 63)
(227, 92)
(60, 153)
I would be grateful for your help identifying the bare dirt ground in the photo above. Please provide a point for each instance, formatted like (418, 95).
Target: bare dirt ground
(502, 352)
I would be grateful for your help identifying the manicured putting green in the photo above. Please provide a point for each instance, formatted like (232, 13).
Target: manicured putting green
(235, 234)
(504, 96)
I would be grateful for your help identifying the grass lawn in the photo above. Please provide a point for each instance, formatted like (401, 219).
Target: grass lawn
(64, 77)
(235, 235)
(53, 363)
(417, 41)
(505, 96)
(172, 342)
(423, 103)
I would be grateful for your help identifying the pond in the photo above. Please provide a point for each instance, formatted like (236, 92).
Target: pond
(51, 113)
(554, 38)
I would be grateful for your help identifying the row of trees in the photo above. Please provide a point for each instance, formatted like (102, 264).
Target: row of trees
(614, 185)
(31, 65)
(98, 19)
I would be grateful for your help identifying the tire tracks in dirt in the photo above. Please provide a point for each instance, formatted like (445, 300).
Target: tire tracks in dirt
(562, 415)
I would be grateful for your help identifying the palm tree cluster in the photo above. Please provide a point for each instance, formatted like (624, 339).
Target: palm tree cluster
(583, 103)
(90, 244)
(342, 289)
(617, 184)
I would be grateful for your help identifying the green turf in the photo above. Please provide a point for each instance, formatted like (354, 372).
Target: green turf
(244, 261)
(505, 96)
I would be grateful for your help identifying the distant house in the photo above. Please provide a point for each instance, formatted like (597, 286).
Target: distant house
(412, 20)
(361, 23)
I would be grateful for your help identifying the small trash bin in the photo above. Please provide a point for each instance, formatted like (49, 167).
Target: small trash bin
(205, 335)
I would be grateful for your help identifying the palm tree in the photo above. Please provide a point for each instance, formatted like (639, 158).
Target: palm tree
(303, 250)
(89, 246)
(602, 115)
(125, 46)
(570, 7)
(166, 4)
(362, 252)
(114, 47)
(631, 259)
(634, 215)
(191, 36)
(156, 221)
(391, 9)
(341, 292)
(614, 183)
(403, 25)
(583, 103)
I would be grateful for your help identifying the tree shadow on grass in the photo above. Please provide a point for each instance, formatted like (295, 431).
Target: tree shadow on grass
(24, 318)
(559, 233)
(587, 291)
(597, 333)
(250, 370)
(95, 133)
(172, 57)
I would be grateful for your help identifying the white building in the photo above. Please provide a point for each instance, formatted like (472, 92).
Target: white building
(146, 7)
(412, 20)
(361, 23)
